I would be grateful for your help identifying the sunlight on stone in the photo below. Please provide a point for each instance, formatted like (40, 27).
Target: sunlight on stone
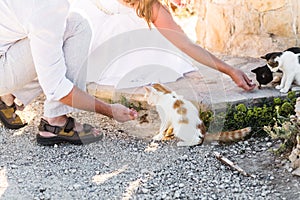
(151, 147)
(18, 132)
(3, 181)
(131, 189)
(28, 114)
(101, 178)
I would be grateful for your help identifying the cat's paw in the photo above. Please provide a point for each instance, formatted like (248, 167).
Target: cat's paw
(184, 144)
(158, 137)
(278, 87)
(284, 90)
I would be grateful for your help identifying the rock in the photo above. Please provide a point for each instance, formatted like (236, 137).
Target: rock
(110, 168)
(269, 144)
(145, 190)
(296, 172)
(250, 34)
(177, 194)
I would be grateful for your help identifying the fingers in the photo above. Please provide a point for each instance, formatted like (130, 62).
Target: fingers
(248, 87)
(248, 84)
(133, 114)
(242, 80)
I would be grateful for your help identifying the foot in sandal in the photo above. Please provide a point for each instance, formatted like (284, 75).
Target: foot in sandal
(8, 115)
(65, 130)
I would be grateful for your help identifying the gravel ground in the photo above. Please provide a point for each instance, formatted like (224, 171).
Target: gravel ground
(122, 166)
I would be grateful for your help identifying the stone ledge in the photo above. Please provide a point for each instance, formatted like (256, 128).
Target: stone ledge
(205, 86)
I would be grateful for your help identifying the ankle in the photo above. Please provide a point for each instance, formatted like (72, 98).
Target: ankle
(56, 121)
(8, 99)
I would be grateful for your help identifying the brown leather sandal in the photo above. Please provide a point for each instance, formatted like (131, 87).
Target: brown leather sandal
(9, 118)
(67, 134)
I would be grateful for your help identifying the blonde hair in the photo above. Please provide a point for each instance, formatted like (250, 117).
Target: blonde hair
(143, 8)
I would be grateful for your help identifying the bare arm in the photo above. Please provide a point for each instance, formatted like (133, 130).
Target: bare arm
(83, 101)
(164, 22)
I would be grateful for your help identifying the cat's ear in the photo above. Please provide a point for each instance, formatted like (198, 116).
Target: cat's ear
(267, 56)
(160, 88)
(254, 70)
(264, 57)
(147, 89)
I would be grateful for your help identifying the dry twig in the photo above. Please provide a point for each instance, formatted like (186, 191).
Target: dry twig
(228, 162)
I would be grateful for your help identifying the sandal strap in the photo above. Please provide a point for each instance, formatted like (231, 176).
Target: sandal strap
(45, 126)
(4, 106)
(69, 125)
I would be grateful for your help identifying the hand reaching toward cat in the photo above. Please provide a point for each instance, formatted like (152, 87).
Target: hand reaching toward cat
(242, 80)
(122, 113)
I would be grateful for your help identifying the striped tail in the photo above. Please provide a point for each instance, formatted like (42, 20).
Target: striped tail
(228, 136)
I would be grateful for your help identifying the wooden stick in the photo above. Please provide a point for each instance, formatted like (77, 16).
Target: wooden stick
(226, 161)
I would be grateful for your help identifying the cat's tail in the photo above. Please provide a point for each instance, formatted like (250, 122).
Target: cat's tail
(228, 136)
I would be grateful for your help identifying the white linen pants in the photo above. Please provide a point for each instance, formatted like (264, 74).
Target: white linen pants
(18, 75)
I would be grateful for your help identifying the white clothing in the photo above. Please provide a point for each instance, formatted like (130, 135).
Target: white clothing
(120, 19)
(43, 23)
(18, 73)
(124, 51)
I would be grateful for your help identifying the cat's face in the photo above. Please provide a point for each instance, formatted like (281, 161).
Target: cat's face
(155, 91)
(271, 60)
(263, 75)
(151, 95)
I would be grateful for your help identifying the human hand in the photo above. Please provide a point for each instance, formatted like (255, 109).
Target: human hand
(242, 80)
(123, 114)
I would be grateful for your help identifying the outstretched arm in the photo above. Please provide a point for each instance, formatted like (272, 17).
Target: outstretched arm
(164, 22)
(83, 101)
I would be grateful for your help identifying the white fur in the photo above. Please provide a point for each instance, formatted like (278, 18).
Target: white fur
(288, 63)
(188, 133)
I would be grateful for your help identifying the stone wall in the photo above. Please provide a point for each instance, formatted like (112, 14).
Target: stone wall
(247, 27)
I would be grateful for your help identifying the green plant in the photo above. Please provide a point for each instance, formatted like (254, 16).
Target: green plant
(124, 101)
(285, 131)
(241, 116)
(265, 113)
(271, 117)
(206, 116)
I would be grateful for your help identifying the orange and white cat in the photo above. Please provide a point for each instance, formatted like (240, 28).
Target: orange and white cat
(182, 117)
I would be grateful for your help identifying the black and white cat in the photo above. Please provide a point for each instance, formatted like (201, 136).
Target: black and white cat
(263, 75)
(289, 63)
(270, 57)
(273, 64)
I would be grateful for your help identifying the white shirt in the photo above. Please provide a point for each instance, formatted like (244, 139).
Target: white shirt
(107, 18)
(43, 22)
